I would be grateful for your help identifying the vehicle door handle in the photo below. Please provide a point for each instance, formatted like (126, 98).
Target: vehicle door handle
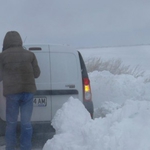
(70, 85)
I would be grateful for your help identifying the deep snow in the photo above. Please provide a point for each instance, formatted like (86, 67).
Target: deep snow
(126, 128)
(122, 111)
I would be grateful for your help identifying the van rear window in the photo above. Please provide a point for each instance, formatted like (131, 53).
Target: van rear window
(63, 67)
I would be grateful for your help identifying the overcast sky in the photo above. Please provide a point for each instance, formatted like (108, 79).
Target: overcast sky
(80, 23)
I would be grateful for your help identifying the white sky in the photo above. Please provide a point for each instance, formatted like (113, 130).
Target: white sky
(80, 23)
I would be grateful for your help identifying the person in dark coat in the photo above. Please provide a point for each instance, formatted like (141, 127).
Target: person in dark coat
(18, 70)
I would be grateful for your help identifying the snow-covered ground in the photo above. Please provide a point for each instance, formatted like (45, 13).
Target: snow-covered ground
(122, 109)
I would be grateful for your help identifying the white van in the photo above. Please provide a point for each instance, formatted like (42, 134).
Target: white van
(63, 74)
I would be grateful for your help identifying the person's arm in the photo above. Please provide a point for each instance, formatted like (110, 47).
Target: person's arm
(36, 68)
(1, 68)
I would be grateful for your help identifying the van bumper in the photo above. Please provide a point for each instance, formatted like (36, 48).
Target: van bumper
(39, 127)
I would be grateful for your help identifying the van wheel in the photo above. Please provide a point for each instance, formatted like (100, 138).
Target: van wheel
(2, 127)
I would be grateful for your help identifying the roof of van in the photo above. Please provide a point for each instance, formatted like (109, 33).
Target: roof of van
(49, 47)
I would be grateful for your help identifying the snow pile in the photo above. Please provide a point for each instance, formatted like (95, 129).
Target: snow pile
(73, 109)
(122, 111)
(68, 122)
(127, 128)
(116, 88)
(111, 91)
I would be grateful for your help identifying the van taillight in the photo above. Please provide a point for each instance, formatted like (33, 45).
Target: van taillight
(87, 89)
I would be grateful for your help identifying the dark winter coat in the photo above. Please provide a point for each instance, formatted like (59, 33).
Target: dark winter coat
(18, 67)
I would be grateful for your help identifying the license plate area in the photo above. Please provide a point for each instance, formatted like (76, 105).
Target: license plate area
(39, 101)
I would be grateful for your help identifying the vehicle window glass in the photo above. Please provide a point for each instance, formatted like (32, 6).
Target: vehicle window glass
(63, 67)
(83, 67)
(44, 77)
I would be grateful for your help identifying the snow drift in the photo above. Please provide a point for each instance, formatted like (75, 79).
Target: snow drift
(126, 128)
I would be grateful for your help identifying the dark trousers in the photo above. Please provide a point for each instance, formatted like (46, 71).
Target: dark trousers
(14, 103)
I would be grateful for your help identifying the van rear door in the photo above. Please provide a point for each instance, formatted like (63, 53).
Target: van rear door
(66, 78)
(42, 98)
